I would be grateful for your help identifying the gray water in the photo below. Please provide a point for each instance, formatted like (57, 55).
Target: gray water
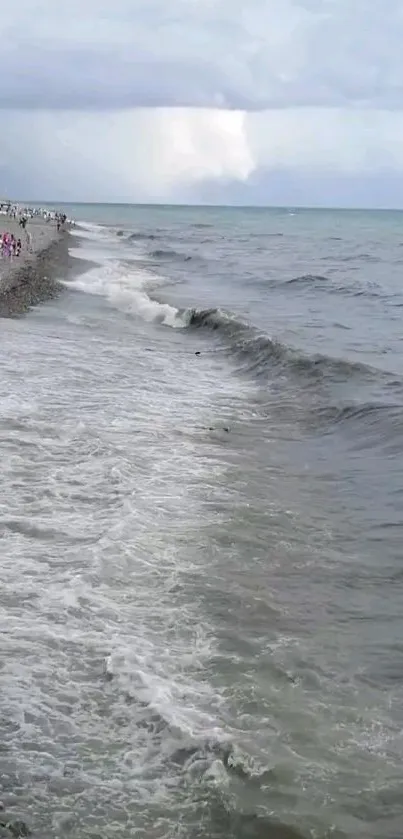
(201, 521)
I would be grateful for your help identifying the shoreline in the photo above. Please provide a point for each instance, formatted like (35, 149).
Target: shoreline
(37, 274)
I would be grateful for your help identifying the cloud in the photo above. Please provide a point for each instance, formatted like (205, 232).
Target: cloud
(212, 100)
(222, 54)
(189, 155)
(122, 155)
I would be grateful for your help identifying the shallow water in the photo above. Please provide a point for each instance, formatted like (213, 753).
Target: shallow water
(202, 577)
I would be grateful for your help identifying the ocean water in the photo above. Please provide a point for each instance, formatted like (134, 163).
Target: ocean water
(201, 520)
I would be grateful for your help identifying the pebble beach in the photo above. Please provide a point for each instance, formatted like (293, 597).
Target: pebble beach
(33, 275)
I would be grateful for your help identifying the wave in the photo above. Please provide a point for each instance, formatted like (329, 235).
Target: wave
(227, 822)
(218, 776)
(362, 257)
(138, 237)
(377, 425)
(265, 235)
(216, 773)
(257, 354)
(168, 253)
(133, 236)
(162, 253)
(368, 411)
(323, 283)
(307, 279)
(260, 354)
(126, 289)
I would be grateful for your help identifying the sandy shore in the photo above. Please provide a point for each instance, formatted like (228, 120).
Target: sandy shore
(32, 276)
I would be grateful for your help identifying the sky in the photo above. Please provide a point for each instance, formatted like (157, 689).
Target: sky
(278, 102)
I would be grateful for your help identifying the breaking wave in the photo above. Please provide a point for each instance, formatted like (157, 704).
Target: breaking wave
(259, 353)
(256, 353)
(214, 773)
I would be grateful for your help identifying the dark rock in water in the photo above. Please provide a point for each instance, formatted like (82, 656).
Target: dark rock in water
(225, 428)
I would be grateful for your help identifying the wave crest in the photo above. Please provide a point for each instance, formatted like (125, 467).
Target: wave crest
(138, 237)
(260, 353)
(307, 279)
(168, 253)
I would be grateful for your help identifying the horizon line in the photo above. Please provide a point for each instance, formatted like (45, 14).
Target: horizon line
(206, 206)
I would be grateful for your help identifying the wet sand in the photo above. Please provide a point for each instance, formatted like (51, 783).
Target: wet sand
(34, 275)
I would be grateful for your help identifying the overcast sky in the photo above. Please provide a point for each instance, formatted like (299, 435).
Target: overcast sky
(239, 101)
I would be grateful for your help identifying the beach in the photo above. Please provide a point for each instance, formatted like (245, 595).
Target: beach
(34, 275)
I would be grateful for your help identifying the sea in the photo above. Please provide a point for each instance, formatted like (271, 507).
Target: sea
(201, 518)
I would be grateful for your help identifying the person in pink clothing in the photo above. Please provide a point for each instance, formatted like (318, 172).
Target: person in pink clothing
(4, 245)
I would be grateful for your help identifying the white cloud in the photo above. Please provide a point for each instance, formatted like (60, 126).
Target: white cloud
(163, 155)
(257, 97)
(126, 155)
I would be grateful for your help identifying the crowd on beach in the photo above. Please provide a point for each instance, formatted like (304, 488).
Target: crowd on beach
(11, 246)
(16, 212)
